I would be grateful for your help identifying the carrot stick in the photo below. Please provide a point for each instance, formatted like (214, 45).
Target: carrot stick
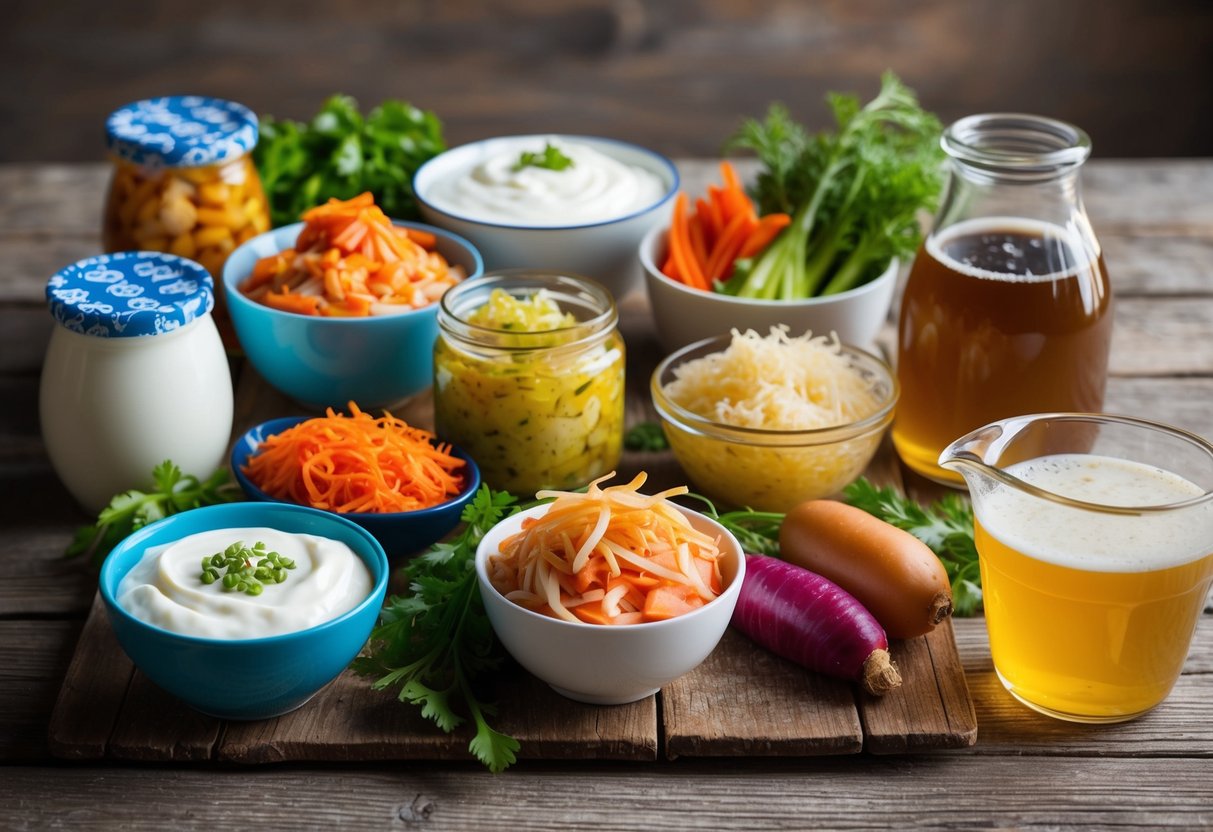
(730, 243)
(684, 259)
(731, 180)
(712, 224)
(699, 246)
(767, 230)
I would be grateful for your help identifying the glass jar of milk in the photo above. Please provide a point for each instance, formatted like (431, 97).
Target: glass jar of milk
(135, 374)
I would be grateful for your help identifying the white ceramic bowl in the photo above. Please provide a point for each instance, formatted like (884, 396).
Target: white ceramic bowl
(684, 315)
(606, 665)
(604, 250)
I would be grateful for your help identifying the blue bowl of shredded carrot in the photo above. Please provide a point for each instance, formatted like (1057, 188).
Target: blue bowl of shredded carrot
(398, 482)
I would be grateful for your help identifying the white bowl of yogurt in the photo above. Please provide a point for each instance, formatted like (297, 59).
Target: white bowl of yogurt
(579, 204)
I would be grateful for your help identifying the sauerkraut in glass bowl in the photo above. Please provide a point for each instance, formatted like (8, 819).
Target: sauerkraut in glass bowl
(770, 421)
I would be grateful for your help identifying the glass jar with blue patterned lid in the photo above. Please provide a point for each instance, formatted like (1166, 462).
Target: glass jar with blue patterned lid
(135, 374)
(184, 180)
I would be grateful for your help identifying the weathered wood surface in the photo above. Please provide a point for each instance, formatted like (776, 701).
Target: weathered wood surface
(945, 792)
(743, 702)
(1156, 222)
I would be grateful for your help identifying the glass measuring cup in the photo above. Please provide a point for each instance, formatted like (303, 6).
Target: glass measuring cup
(1095, 537)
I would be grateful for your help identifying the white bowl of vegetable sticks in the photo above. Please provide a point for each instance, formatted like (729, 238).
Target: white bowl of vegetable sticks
(684, 315)
(610, 665)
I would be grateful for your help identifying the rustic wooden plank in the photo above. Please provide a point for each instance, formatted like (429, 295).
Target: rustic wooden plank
(33, 658)
(154, 726)
(35, 578)
(1183, 402)
(747, 702)
(945, 792)
(1156, 264)
(92, 692)
(1182, 726)
(1168, 197)
(931, 709)
(350, 721)
(1162, 336)
(53, 200)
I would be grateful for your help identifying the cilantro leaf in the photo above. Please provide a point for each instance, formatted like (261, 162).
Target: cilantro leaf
(341, 154)
(436, 642)
(946, 528)
(172, 492)
(551, 158)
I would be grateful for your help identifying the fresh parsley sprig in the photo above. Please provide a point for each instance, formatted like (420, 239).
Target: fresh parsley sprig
(436, 643)
(945, 527)
(340, 153)
(551, 158)
(172, 492)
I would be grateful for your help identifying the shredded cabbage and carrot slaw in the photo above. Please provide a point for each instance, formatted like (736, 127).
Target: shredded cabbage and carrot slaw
(609, 556)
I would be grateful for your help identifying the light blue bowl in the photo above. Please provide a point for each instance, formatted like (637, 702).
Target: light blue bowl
(253, 678)
(328, 362)
(401, 533)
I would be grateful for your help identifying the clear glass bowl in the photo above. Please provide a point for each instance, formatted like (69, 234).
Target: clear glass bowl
(772, 470)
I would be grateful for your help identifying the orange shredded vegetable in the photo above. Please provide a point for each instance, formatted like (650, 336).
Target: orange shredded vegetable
(350, 260)
(609, 556)
(704, 244)
(356, 463)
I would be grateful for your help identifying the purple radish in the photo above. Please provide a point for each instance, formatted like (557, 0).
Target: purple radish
(812, 621)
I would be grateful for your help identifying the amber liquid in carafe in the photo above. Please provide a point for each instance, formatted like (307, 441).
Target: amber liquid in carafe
(1000, 317)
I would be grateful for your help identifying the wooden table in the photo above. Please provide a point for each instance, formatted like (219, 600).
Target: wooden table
(1155, 220)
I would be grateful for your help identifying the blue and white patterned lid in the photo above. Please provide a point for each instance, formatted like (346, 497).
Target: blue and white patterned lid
(181, 131)
(130, 294)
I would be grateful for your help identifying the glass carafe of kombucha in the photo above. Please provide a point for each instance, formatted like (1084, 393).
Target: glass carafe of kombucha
(1007, 309)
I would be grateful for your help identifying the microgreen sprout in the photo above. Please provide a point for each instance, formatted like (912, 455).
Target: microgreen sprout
(234, 568)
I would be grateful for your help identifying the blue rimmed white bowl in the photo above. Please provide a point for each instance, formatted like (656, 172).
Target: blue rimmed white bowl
(401, 533)
(254, 678)
(329, 362)
(601, 249)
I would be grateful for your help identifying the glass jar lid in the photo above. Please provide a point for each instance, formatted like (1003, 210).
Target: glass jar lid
(130, 294)
(181, 131)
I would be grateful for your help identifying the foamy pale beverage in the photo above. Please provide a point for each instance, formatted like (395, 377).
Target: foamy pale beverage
(1091, 612)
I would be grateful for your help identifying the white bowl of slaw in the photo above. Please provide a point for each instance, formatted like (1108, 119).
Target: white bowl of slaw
(610, 665)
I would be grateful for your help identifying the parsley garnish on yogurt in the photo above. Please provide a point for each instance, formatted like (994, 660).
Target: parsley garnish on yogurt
(551, 158)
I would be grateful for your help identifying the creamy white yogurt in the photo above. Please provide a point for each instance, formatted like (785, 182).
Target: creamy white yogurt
(595, 188)
(165, 589)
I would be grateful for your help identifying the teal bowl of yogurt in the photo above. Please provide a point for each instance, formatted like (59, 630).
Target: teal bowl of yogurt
(568, 203)
(263, 647)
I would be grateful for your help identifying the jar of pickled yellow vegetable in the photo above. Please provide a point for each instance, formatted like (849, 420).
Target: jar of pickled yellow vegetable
(184, 180)
(528, 379)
